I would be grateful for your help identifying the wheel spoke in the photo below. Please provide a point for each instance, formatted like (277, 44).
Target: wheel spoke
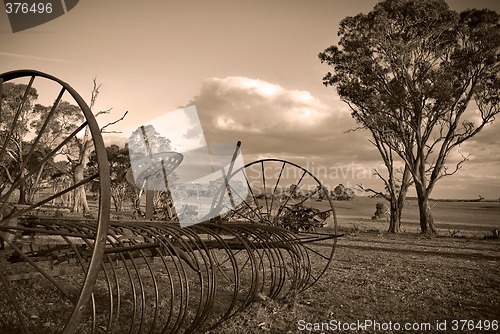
(283, 205)
(264, 186)
(276, 186)
(317, 253)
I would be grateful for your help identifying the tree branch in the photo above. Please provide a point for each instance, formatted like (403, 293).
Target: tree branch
(114, 122)
(375, 193)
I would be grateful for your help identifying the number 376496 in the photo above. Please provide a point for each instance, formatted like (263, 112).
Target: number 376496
(25, 8)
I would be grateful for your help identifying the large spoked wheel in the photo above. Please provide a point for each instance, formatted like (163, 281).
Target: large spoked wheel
(280, 193)
(53, 235)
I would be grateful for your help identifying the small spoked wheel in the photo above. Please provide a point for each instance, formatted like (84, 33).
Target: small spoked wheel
(54, 210)
(280, 193)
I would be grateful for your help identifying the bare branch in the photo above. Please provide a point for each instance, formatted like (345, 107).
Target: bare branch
(107, 111)
(95, 93)
(356, 129)
(458, 166)
(114, 122)
(375, 193)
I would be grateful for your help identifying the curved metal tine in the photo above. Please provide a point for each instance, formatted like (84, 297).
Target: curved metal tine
(156, 290)
(184, 292)
(113, 242)
(254, 274)
(266, 253)
(147, 235)
(16, 117)
(14, 303)
(167, 247)
(280, 269)
(112, 324)
(84, 267)
(273, 265)
(205, 301)
(290, 246)
(226, 248)
(300, 265)
(20, 179)
(288, 198)
(296, 256)
(17, 213)
(132, 285)
(138, 230)
(107, 277)
(205, 295)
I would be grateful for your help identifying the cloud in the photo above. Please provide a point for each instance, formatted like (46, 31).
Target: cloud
(275, 121)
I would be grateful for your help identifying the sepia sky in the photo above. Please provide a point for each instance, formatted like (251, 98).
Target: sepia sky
(249, 67)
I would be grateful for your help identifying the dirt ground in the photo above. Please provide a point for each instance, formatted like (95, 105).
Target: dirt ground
(391, 280)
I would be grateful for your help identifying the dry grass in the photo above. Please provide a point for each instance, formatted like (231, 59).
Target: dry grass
(382, 277)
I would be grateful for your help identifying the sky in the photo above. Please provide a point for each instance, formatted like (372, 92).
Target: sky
(249, 67)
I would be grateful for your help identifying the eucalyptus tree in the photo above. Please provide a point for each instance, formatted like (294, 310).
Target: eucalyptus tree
(423, 79)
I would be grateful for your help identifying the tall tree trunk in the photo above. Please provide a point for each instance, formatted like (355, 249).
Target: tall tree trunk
(397, 199)
(395, 219)
(22, 194)
(79, 195)
(426, 219)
